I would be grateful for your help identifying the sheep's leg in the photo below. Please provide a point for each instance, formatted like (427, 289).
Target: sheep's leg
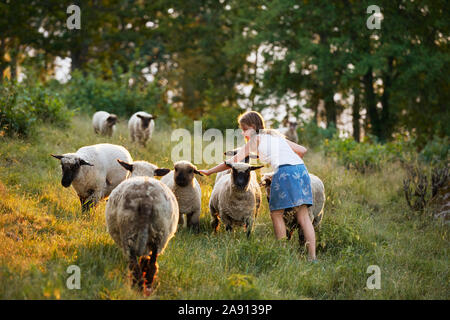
(193, 221)
(229, 227)
(215, 222)
(150, 269)
(249, 227)
(181, 219)
(136, 273)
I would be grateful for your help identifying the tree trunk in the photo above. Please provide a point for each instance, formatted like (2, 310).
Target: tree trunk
(386, 116)
(355, 114)
(371, 104)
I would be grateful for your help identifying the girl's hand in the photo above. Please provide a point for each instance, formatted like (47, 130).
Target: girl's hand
(205, 172)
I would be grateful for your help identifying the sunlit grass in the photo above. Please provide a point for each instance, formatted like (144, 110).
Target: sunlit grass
(367, 222)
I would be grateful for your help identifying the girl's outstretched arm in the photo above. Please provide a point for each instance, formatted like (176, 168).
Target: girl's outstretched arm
(242, 153)
(298, 149)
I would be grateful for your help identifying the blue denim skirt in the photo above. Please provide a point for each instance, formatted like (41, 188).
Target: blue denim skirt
(290, 187)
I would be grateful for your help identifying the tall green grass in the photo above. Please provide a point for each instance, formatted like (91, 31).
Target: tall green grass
(366, 222)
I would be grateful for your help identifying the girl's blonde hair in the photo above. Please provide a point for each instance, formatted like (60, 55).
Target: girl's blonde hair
(254, 119)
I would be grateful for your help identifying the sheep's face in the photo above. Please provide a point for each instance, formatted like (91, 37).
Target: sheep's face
(70, 165)
(184, 173)
(292, 125)
(145, 120)
(111, 120)
(240, 174)
(143, 168)
(232, 153)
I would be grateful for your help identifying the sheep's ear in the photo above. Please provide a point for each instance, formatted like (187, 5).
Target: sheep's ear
(59, 157)
(154, 117)
(140, 116)
(161, 172)
(255, 167)
(126, 165)
(198, 172)
(228, 164)
(85, 163)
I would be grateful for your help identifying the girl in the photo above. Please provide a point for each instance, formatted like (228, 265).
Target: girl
(291, 185)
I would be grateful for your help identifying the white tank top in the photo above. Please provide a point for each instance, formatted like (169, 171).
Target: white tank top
(276, 151)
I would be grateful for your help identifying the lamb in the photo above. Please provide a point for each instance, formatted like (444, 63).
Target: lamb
(104, 123)
(142, 216)
(93, 171)
(141, 126)
(315, 211)
(187, 190)
(236, 198)
(290, 132)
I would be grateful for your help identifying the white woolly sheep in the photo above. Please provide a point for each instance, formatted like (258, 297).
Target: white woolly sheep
(141, 217)
(93, 171)
(104, 123)
(315, 211)
(141, 126)
(187, 190)
(290, 132)
(236, 198)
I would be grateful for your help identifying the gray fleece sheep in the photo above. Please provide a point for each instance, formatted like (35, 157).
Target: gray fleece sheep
(236, 198)
(141, 217)
(315, 211)
(104, 123)
(141, 126)
(290, 132)
(93, 171)
(187, 190)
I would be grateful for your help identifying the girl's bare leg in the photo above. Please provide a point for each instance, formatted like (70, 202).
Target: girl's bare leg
(304, 221)
(278, 223)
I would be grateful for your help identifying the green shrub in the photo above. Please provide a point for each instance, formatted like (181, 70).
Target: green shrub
(92, 93)
(436, 151)
(311, 135)
(221, 118)
(241, 287)
(23, 106)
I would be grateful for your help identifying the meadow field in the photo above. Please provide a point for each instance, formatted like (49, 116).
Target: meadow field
(366, 222)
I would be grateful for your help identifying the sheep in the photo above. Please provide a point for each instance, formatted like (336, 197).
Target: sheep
(232, 153)
(236, 198)
(290, 132)
(141, 126)
(104, 123)
(141, 216)
(315, 211)
(187, 190)
(93, 171)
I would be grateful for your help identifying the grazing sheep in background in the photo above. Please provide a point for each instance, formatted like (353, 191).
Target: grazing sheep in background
(93, 171)
(315, 211)
(187, 190)
(236, 198)
(290, 132)
(141, 126)
(141, 217)
(104, 123)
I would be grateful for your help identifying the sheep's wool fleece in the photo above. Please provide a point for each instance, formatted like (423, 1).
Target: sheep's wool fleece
(105, 174)
(189, 197)
(141, 212)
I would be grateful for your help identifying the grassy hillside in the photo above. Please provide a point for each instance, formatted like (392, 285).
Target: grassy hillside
(366, 222)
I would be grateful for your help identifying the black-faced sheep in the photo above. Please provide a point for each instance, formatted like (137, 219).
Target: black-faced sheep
(104, 123)
(93, 171)
(141, 217)
(141, 126)
(187, 190)
(236, 198)
(315, 211)
(290, 132)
